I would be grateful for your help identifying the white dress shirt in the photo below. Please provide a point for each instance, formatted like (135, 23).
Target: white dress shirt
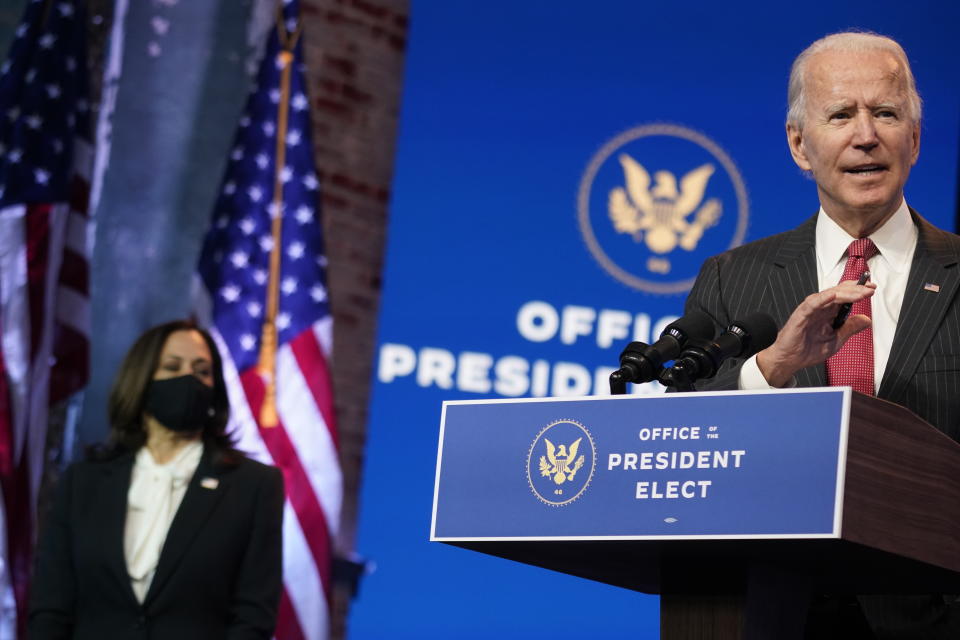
(896, 242)
(156, 491)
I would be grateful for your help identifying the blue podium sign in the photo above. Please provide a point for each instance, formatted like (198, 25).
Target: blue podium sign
(731, 464)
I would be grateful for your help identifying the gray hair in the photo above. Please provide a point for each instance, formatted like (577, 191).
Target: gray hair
(852, 42)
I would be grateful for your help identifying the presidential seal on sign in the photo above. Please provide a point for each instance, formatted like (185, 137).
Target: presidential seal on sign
(657, 200)
(561, 462)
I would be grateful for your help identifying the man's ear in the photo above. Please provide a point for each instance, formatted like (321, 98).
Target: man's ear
(916, 144)
(797, 149)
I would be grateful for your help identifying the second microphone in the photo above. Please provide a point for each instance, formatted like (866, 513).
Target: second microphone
(641, 362)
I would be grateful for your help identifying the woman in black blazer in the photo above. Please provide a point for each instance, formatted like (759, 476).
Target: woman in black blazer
(166, 531)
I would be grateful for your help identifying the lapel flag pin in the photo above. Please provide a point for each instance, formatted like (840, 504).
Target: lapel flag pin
(209, 483)
(931, 287)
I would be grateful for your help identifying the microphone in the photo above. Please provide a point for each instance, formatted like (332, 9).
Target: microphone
(641, 362)
(700, 360)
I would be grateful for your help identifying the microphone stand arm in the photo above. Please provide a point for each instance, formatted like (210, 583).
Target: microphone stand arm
(677, 377)
(618, 383)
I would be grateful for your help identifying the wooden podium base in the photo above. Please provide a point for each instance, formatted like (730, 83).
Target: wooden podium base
(701, 617)
(775, 606)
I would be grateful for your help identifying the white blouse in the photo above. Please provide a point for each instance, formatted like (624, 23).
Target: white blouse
(156, 491)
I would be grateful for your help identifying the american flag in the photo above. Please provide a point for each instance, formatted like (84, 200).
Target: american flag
(266, 209)
(45, 160)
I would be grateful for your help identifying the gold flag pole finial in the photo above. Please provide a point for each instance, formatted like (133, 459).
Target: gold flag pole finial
(267, 361)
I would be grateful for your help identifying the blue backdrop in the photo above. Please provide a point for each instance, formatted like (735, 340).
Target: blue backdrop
(493, 286)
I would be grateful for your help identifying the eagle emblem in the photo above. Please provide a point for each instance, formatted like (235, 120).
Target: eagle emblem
(561, 463)
(659, 215)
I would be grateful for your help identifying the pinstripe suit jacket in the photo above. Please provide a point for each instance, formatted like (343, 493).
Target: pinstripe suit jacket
(775, 274)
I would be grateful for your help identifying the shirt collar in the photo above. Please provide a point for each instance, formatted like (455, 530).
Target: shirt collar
(894, 240)
(181, 466)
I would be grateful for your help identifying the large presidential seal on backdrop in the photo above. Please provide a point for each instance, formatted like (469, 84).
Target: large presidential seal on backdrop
(656, 201)
(561, 462)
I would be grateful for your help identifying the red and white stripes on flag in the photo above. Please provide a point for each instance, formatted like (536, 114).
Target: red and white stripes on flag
(44, 186)
(304, 446)
(262, 292)
(44, 352)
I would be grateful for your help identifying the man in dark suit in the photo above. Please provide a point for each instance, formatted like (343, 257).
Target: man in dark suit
(854, 125)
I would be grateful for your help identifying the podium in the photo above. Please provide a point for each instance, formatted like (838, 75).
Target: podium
(734, 506)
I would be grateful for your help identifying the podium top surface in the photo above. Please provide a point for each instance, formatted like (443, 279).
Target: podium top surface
(658, 396)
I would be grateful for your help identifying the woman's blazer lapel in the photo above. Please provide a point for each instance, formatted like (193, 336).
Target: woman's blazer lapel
(203, 493)
(108, 517)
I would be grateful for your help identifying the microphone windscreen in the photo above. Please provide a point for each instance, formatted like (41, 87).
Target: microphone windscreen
(694, 325)
(760, 330)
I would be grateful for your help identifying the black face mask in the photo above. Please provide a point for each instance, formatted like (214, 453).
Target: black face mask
(180, 404)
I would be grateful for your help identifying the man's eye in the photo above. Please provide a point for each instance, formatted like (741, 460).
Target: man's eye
(886, 114)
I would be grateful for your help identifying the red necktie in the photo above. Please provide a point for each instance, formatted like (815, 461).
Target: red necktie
(853, 364)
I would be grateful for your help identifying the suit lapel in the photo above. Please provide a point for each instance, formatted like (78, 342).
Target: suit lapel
(198, 503)
(922, 310)
(111, 517)
(793, 278)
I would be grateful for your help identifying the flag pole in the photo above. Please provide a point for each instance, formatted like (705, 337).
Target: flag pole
(267, 361)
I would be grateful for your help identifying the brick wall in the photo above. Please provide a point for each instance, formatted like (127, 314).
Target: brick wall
(355, 53)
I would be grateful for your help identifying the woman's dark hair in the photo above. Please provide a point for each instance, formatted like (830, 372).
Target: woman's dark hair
(128, 396)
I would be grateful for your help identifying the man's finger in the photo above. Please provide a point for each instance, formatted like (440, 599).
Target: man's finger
(816, 301)
(854, 324)
(840, 294)
(872, 285)
(853, 292)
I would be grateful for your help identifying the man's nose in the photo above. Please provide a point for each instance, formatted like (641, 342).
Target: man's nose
(865, 131)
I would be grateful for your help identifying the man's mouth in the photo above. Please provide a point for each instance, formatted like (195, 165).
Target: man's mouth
(866, 169)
